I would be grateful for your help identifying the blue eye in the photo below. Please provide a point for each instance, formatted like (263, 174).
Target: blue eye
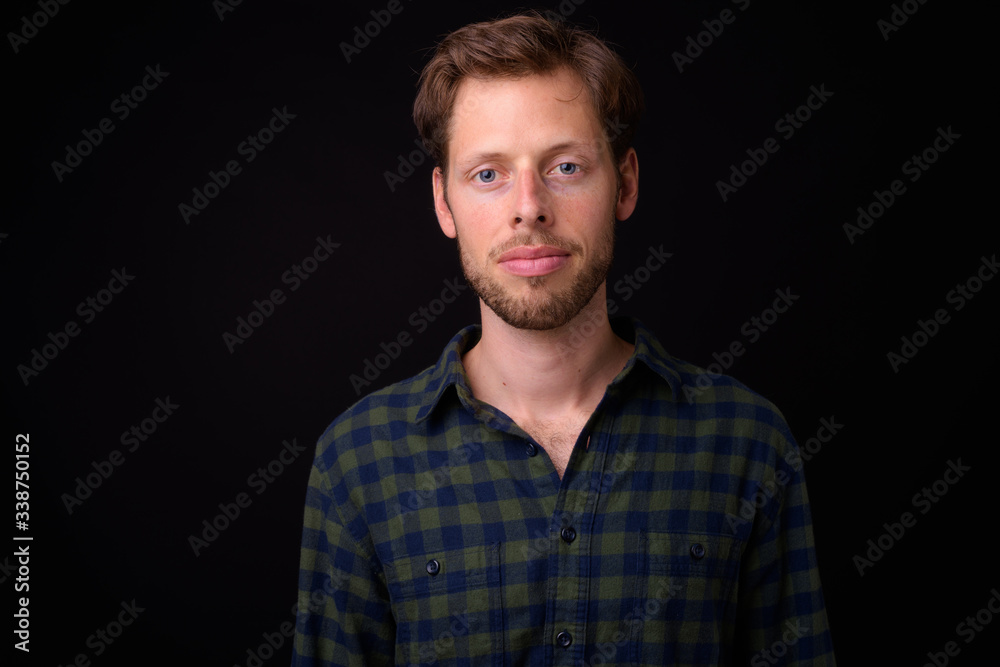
(568, 168)
(487, 176)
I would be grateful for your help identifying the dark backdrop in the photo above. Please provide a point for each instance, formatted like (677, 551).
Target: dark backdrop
(126, 549)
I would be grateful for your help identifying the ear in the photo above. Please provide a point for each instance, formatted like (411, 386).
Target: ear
(445, 219)
(629, 193)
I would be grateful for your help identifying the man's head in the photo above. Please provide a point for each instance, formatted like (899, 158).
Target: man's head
(520, 46)
(529, 180)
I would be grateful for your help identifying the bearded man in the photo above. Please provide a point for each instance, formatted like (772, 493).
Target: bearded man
(553, 491)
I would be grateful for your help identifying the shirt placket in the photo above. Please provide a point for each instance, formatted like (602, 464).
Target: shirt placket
(570, 528)
(570, 561)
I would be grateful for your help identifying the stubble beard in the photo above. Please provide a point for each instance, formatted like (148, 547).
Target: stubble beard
(543, 308)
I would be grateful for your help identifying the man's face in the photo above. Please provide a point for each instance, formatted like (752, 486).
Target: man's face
(532, 194)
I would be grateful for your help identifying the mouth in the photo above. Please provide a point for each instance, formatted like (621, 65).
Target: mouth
(529, 261)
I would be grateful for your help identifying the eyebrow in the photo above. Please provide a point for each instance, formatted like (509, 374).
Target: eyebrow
(494, 155)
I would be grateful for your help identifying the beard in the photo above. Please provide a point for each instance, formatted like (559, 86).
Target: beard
(543, 307)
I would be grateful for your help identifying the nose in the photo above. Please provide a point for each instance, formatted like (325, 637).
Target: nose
(532, 200)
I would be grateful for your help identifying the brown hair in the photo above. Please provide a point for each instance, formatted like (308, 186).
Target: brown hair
(519, 46)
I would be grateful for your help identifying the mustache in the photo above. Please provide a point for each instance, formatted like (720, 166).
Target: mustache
(535, 238)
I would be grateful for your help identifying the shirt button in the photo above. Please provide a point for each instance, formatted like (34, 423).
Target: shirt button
(564, 639)
(530, 449)
(697, 551)
(568, 534)
(433, 567)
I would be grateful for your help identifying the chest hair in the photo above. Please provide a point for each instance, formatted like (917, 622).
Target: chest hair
(557, 438)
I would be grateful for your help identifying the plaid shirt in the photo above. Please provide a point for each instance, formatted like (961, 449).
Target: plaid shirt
(437, 531)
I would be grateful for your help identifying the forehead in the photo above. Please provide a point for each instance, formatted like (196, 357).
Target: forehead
(522, 113)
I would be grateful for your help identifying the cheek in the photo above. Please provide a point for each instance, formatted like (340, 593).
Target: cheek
(478, 208)
(588, 207)
(475, 227)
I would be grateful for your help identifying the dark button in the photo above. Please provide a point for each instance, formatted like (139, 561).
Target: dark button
(568, 534)
(697, 551)
(433, 567)
(564, 638)
(530, 449)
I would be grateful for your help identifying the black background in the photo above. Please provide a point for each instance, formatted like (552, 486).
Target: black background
(324, 176)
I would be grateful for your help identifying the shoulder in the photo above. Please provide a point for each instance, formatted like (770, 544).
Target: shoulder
(708, 389)
(710, 403)
(707, 398)
(382, 433)
(727, 398)
(358, 433)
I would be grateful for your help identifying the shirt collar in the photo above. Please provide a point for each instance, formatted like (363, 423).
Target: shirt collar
(450, 371)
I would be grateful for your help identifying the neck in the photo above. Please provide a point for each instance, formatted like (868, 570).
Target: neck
(538, 374)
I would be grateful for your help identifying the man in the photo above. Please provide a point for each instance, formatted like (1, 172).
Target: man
(557, 489)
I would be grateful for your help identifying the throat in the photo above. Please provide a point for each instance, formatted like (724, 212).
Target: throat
(556, 437)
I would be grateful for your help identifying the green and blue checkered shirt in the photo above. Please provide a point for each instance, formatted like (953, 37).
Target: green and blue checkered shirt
(438, 532)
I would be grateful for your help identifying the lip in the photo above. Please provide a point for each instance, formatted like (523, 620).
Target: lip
(531, 261)
(533, 252)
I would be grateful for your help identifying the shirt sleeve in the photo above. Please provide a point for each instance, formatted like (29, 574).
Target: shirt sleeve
(343, 616)
(782, 614)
